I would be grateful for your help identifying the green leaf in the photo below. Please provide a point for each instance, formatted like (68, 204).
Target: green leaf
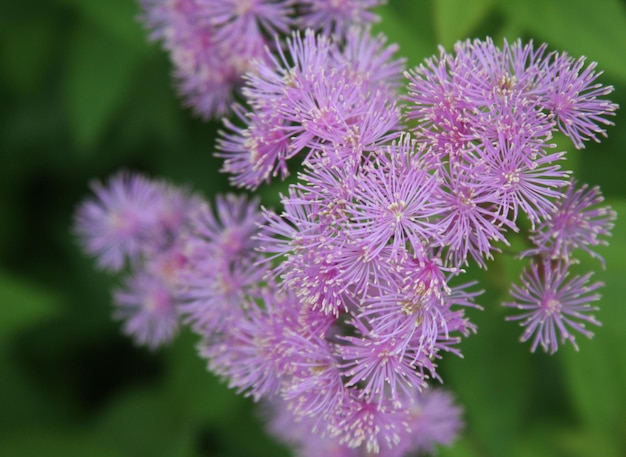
(118, 19)
(141, 423)
(24, 403)
(590, 443)
(23, 304)
(99, 76)
(537, 443)
(409, 25)
(461, 448)
(456, 19)
(26, 50)
(551, 439)
(596, 29)
(61, 443)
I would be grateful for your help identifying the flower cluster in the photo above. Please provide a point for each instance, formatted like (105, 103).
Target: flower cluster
(315, 98)
(488, 115)
(212, 43)
(136, 224)
(337, 309)
(189, 263)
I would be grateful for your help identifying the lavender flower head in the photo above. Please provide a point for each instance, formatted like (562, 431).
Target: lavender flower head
(553, 307)
(313, 99)
(148, 308)
(334, 17)
(577, 222)
(131, 218)
(116, 225)
(182, 260)
(221, 267)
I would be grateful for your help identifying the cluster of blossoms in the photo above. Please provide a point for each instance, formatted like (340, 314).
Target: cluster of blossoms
(187, 262)
(337, 309)
(135, 224)
(212, 43)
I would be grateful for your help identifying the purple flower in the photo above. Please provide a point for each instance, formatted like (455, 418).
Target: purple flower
(552, 306)
(489, 74)
(335, 17)
(120, 222)
(420, 313)
(311, 242)
(167, 20)
(212, 294)
(396, 202)
(522, 184)
(371, 59)
(438, 103)
(256, 153)
(250, 353)
(375, 427)
(382, 368)
(222, 270)
(311, 99)
(212, 44)
(148, 308)
(228, 230)
(448, 95)
(343, 303)
(472, 222)
(141, 223)
(315, 387)
(205, 77)
(429, 418)
(434, 419)
(575, 98)
(299, 433)
(248, 19)
(577, 222)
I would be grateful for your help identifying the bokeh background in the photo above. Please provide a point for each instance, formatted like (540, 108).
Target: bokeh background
(83, 94)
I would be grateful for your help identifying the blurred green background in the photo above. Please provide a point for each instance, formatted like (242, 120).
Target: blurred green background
(83, 94)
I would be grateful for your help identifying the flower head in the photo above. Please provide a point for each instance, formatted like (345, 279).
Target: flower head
(396, 201)
(250, 352)
(577, 222)
(553, 307)
(148, 308)
(434, 419)
(575, 98)
(310, 100)
(335, 17)
(222, 271)
(127, 217)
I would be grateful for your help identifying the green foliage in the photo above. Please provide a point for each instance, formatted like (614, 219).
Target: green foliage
(99, 77)
(84, 94)
(456, 19)
(410, 25)
(24, 304)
